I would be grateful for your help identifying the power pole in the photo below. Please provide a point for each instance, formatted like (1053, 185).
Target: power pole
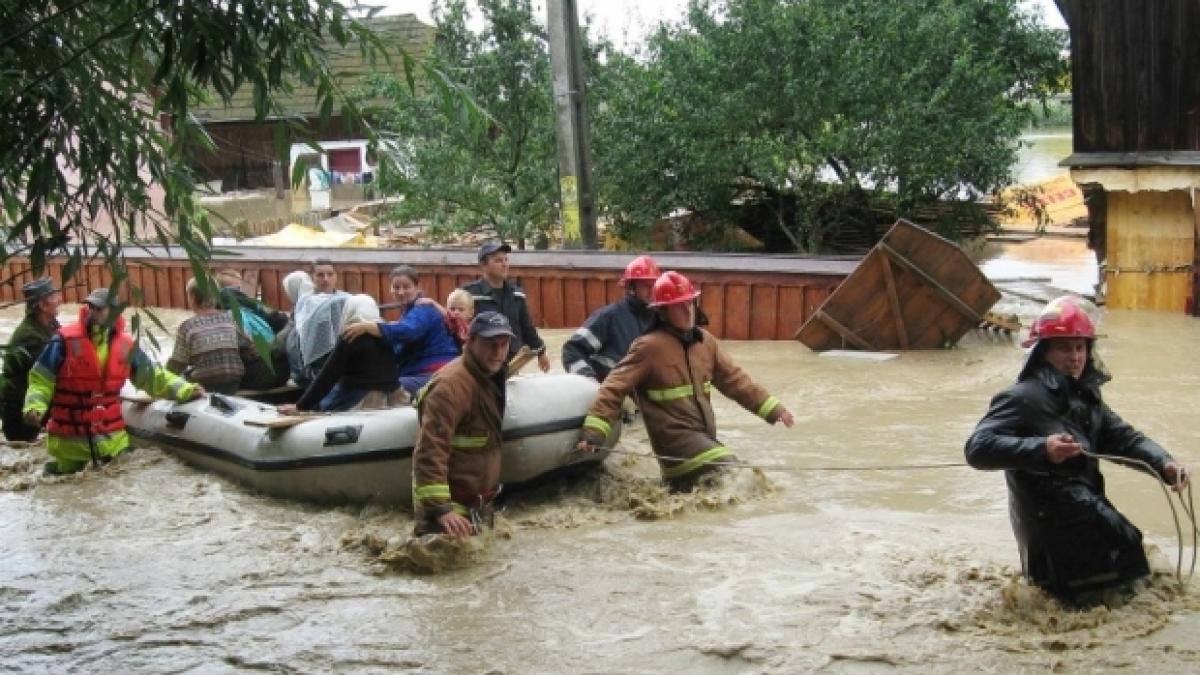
(570, 108)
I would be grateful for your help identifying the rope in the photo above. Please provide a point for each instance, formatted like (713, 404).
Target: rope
(1188, 508)
(783, 467)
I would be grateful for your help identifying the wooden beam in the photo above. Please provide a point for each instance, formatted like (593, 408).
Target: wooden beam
(955, 301)
(894, 301)
(847, 334)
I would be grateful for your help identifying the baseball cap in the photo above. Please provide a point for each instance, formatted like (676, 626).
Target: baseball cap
(38, 289)
(490, 324)
(491, 247)
(97, 298)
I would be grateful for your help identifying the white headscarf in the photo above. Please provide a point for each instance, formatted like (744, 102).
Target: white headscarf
(297, 285)
(359, 308)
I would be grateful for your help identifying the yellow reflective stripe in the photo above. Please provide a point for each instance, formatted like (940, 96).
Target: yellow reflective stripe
(661, 395)
(693, 463)
(421, 394)
(459, 509)
(673, 393)
(768, 405)
(468, 442)
(428, 492)
(597, 423)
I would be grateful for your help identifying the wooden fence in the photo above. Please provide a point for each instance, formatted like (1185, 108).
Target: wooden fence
(746, 297)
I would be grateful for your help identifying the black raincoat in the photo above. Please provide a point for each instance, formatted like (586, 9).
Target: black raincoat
(1071, 538)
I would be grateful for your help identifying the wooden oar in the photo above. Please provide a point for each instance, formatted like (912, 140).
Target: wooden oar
(518, 361)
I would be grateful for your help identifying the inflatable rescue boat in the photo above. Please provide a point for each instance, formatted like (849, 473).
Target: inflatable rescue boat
(359, 456)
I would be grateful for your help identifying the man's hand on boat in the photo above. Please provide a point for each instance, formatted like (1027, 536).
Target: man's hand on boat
(361, 328)
(197, 392)
(544, 362)
(455, 525)
(590, 441)
(286, 409)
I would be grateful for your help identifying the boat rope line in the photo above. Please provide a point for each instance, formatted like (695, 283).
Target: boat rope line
(1188, 507)
(797, 469)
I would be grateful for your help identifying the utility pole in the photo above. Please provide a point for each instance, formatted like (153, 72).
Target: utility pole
(570, 108)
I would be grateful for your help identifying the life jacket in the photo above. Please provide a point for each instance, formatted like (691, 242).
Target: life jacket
(87, 402)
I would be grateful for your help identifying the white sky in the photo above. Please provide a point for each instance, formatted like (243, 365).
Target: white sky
(627, 22)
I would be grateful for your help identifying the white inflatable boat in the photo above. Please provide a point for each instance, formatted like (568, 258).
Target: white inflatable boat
(358, 456)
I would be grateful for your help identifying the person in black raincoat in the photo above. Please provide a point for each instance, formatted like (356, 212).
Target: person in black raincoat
(604, 339)
(1042, 431)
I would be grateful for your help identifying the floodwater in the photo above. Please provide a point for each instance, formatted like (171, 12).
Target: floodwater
(150, 565)
(1039, 154)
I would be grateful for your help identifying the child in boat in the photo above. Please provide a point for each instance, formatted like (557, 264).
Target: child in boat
(360, 372)
(460, 308)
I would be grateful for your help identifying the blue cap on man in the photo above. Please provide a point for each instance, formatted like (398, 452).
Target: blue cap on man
(492, 247)
(490, 324)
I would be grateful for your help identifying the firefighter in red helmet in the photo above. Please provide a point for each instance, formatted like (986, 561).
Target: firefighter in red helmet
(1044, 432)
(604, 338)
(673, 369)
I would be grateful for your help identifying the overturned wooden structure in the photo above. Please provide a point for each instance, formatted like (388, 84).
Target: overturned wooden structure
(913, 290)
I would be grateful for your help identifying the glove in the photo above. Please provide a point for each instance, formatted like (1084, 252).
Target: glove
(590, 440)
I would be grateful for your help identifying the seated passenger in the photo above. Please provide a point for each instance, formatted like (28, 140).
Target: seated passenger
(359, 373)
(207, 349)
(318, 321)
(460, 308)
(420, 339)
(256, 317)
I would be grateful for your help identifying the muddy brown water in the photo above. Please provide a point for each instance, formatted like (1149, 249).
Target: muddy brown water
(150, 565)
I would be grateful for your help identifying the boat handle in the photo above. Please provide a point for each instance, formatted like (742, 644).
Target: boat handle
(222, 404)
(342, 435)
(177, 419)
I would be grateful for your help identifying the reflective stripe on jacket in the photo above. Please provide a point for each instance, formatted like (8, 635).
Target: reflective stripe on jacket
(673, 377)
(604, 339)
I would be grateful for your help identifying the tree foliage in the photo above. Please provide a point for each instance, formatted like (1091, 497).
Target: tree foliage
(459, 177)
(818, 111)
(95, 99)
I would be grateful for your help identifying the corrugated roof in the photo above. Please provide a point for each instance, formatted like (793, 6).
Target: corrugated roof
(403, 32)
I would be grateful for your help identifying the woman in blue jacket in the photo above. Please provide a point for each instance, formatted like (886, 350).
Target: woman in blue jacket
(420, 339)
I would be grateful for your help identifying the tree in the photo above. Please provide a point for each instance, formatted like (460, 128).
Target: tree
(816, 112)
(459, 177)
(94, 101)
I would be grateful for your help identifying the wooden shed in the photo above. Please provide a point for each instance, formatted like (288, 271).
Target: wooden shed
(1136, 105)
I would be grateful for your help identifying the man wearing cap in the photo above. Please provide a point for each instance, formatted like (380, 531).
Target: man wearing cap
(41, 320)
(674, 368)
(604, 338)
(456, 462)
(493, 292)
(1044, 432)
(76, 385)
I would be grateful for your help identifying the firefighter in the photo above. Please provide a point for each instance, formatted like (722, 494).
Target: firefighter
(1040, 431)
(456, 462)
(673, 368)
(604, 338)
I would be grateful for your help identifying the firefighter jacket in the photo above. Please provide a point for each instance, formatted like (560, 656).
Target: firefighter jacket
(456, 462)
(604, 339)
(78, 380)
(673, 375)
(1071, 538)
(510, 301)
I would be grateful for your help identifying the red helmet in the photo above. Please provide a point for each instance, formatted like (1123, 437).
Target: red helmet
(643, 268)
(1061, 318)
(672, 288)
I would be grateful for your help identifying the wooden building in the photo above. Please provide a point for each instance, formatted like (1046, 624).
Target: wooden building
(246, 151)
(1136, 104)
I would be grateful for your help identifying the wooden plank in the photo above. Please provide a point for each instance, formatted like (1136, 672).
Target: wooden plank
(791, 312)
(894, 301)
(575, 309)
(712, 301)
(953, 299)
(282, 422)
(594, 295)
(551, 311)
(737, 311)
(1194, 301)
(764, 311)
(179, 277)
(847, 334)
(269, 287)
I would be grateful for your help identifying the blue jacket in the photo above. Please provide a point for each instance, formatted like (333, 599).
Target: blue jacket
(420, 340)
